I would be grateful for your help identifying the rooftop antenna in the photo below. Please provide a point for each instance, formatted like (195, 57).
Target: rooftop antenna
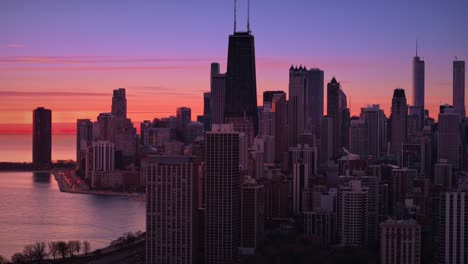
(416, 48)
(248, 16)
(235, 7)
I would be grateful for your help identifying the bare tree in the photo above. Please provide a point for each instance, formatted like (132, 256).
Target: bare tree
(53, 249)
(74, 246)
(39, 252)
(86, 247)
(28, 252)
(3, 260)
(62, 248)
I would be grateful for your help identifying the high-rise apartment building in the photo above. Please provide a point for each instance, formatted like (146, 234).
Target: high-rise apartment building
(42, 136)
(449, 138)
(252, 216)
(84, 137)
(303, 167)
(223, 190)
(353, 214)
(400, 242)
(453, 225)
(171, 219)
(218, 93)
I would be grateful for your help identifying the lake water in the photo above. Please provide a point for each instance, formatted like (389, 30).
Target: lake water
(33, 209)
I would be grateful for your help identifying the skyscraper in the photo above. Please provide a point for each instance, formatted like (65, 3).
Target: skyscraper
(207, 111)
(42, 136)
(336, 104)
(119, 104)
(171, 219)
(223, 189)
(459, 87)
(277, 101)
(453, 227)
(84, 137)
(305, 102)
(252, 216)
(353, 214)
(418, 86)
(218, 93)
(449, 138)
(184, 116)
(241, 83)
(304, 167)
(375, 119)
(399, 117)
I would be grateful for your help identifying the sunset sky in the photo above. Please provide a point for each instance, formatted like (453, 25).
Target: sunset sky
(69, 55)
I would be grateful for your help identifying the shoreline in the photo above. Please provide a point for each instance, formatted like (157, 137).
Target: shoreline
(64, 188)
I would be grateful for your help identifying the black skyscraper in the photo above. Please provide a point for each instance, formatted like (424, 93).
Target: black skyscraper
(241, 83)
(42, 136)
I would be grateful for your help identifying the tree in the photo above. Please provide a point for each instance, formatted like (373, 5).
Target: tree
(86, 247)
(3, 260)
(28, 252)
(62, 248)
(74, 246)
(39, 252)
(18, 258)
(53, 249)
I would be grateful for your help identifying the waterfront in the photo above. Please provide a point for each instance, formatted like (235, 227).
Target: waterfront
(33, 209)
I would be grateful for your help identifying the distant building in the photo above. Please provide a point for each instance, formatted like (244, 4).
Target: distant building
(218, 91)
(449, 138)
(459, 88)
(376, 121)
(443, 174)
(84, 137)
(322, 224)
(400, 242)
(42, 136)
(184, 117)
(418, 87)
(241, 81)
(223, 191)
(398, 118)
(453, 227)
(207, 111)
(171, 216)
(326, 140)
(119, 104)
(102, 159)
(252, 216)
(304, 166)
(276, 100)
(353, 214)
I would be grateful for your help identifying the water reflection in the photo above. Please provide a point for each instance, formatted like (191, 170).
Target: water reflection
(41, 177)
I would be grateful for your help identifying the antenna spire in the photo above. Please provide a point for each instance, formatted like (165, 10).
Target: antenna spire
(248, 16)
(416, 48)
(235, 7)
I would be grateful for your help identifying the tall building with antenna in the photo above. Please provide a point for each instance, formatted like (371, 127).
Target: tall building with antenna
(418, 86)
(241, 83)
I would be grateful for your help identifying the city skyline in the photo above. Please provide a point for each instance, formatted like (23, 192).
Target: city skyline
(57, 73)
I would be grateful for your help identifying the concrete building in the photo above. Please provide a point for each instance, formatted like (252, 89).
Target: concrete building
(171, 216)
(184, 117)
(375, 121)
(218, 91)
(449, 138)
(443, 174)
(119, 104)
(252, 216)
(353, 214)
(42, 137)
(452, 225)
(459, 88)
(84, 137)
(277, 105)
(400, 242)
(223, 191)
(359, 138)
(303, 162)
(322, 224)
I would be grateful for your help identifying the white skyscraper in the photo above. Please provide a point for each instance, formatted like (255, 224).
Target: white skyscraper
(353, 214)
